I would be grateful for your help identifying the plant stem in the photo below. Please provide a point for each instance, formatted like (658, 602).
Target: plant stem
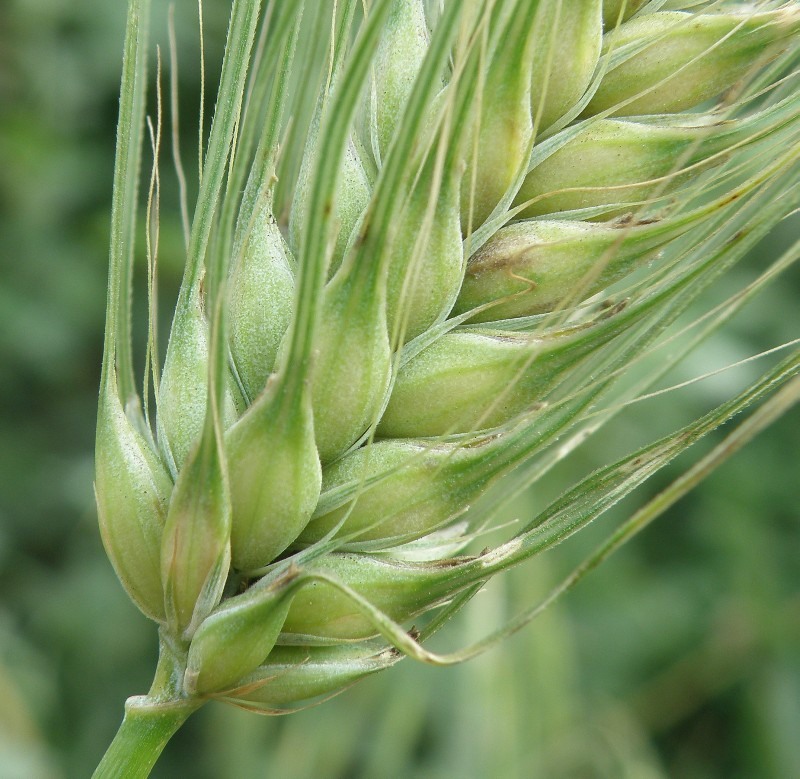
(146, 728)
(150, 720)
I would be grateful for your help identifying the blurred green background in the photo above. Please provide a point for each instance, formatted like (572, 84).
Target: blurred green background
(679, 658)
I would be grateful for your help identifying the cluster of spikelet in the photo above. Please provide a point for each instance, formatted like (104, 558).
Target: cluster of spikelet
(398, 290)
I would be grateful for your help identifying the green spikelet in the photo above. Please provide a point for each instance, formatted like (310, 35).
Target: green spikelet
(427, 257)
(262, 285)
(426, 254)
(352, 196)
(261, 302)
(294, 674)
(505, 127)
(352, 186)
(612, 9)
(132, 486)
(472, 380)
(396, 491)
(184, 384)
(353, 368)
(565, 56)
(400, 589)
(132, 489)
(275, 477)
(424, 488)
(403, 46)
(533, 267)
(353, 351)
(237, 637)
(423, 291)
(195, 547)
(616, 162)
(678, 59)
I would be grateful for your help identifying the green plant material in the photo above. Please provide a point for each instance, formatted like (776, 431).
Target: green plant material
(610, 163)
(587, 500)
(397, 61)
(354, 351)
(505, 126)
(427, 263)
(196, 544)
(275, 476)
(416, 489)
(426, 256)
(145, 731)
(295, 368)
(262, 278)
(295, 674)
(184, 384)
(325, 611)
(353, 370)
(352, 197)
(352, 188)
(132, 489)
(533, 267)
(132, 486)
(396, 491)
(183, 391)
(537, 266)
(481, 379)
(613, 8)
(370, 353)
(237, 637)
(262, 283)
(196, 548)
(671, 61)
(262, 298)
(565, 58)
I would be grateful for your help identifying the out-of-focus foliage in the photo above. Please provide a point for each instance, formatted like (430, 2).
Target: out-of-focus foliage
(679, 657)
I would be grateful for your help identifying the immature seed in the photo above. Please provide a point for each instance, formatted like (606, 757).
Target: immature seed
(132, 488)
(477, 380)
(399, 589)
(237, 637)
(397, 61)
(536, 266)
(564, 58)
(505, 126)
(275, 476)
(612, 8)
(352, 372)
(607, 164)
(681, 59)
(261, 302)
(196, 548)
(297, 673)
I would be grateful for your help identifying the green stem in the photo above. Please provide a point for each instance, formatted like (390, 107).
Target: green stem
(146, 728)
(150, 720)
